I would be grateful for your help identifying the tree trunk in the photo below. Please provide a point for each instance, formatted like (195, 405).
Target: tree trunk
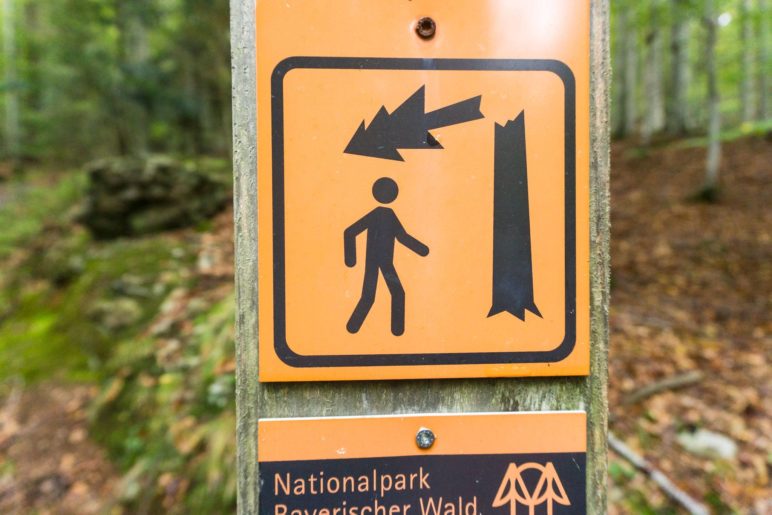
(208, 132)
(227, 120)
(624, 51)
(12, 131)
(619, 28)
(762, 59)
(680, 76)
(35, 74)
(654, 120)
(630, 72)
(747, 93)
(189, 120)
(710, 187)
(134, 51)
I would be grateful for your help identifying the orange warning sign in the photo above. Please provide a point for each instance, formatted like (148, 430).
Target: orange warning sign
(427, 464)
(423, 194)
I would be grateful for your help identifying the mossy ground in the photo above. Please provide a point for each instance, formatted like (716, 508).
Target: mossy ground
(55, 278)
(135, 318)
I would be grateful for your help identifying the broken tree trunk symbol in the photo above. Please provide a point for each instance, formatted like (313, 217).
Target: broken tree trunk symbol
(512, 259)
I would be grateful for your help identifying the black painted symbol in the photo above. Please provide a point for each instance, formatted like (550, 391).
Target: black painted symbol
(408, 127)
(512, 262)
(383, 230)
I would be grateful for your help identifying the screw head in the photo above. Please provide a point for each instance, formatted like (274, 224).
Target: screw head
(425, 438)
(426, 28)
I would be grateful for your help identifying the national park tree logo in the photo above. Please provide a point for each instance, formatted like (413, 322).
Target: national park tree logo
(515, 489)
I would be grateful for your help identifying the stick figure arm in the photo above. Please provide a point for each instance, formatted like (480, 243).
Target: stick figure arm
(350, 239)
(410, 242)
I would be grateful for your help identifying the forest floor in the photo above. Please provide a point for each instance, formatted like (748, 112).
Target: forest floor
(48, 463)
(692, 291)
(691, 297)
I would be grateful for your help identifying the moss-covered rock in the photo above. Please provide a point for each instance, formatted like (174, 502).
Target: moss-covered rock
(115, 315)
(132, 196)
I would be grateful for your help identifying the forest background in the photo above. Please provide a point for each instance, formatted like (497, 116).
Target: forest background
(116, 339)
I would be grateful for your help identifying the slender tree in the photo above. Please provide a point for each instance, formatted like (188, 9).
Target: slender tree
(654, 120)
(618, 28)
(710, 186)
(626, 62)
(747, 83)
(134, 54)
(762, 60)
(630, 71)
(204, 63)
(680, 76)
(12, 135)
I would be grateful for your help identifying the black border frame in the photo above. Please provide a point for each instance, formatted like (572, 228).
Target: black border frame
(281, 346)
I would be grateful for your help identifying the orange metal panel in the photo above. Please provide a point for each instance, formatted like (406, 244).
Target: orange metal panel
(478, 261)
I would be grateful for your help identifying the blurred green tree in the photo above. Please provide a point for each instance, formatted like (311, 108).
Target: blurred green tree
(102, 77)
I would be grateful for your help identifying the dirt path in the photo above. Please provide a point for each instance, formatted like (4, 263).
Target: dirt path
(691, 287)
(47, 462)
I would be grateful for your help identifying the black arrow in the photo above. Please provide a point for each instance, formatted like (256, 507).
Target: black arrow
(408, 127)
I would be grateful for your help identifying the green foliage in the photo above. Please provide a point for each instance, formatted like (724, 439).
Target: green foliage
(619, 472)
(634, 500)
(637, 502)
(78, 309)
(64, 315)
(25, 207)
(100, 77)
(167, 414)
(713, 499)
(65, 299)
(758, 129)
(644, 17)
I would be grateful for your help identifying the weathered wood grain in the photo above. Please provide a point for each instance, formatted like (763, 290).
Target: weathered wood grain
(245, 218)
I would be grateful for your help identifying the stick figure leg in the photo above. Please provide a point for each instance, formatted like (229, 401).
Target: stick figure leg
(397, 300)
(369, 285)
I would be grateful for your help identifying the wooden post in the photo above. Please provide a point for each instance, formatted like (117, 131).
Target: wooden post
(256, 400)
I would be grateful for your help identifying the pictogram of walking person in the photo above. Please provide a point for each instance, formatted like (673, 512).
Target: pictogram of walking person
(383, 230)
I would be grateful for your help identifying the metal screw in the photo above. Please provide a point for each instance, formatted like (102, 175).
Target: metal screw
(425, 438)
(426, 28)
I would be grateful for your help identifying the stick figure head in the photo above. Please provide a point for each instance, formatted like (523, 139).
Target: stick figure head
(385, 190)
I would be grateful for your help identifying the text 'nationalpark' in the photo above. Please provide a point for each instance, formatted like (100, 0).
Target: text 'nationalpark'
(378, 484)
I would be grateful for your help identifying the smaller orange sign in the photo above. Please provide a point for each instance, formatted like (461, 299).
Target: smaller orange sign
(500, 463)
